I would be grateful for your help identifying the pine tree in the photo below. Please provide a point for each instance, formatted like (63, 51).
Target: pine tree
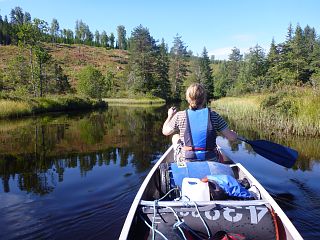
(162, 85)
(252, 72)
(122, 41)
(97, 38)
(178, 67)
(111, 40)
(142, 60)
(104, 39)
(17, 16)
(31, 36)
(69, 39)
(6, 31)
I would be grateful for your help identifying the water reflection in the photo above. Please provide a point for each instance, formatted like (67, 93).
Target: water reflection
(35, 153)
(307, 147)
(86, 168)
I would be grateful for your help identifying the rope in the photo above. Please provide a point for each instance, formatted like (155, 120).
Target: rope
(164, 237)
(204, 223)
(178, 223)
(155, 203)
(153, 219)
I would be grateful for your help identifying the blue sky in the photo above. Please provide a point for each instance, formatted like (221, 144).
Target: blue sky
(218, 25)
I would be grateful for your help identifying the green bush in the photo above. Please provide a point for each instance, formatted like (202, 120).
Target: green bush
(272, 100)
(269, 101)
(287, 108)
(91, 82)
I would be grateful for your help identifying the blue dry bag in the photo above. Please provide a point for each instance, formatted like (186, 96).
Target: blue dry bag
(230, 185)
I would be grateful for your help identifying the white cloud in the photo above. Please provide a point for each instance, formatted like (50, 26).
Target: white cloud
(223, 53)
(244, 37)
(220, 53)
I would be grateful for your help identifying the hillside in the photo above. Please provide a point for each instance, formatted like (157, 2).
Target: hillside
(73, 58)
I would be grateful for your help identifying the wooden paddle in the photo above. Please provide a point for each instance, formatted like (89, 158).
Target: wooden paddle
(274, 152)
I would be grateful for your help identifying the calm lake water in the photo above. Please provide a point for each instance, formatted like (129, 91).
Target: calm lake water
(74, 176)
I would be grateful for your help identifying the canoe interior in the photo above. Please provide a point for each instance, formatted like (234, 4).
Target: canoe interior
(258, 219)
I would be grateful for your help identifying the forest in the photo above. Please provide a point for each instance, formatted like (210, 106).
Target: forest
(148, 67)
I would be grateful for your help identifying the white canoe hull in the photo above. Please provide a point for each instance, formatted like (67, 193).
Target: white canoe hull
(291, 232)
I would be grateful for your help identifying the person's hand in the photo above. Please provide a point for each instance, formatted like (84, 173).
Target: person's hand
(171, 112)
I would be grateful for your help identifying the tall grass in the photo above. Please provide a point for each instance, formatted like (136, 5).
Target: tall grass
(140, 101)
(295, 112)
(15, 107)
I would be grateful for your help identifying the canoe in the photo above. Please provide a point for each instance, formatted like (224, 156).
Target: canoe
(160, 211)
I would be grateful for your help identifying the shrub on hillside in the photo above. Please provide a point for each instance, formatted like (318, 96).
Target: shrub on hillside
(91, 82)
(281, 103)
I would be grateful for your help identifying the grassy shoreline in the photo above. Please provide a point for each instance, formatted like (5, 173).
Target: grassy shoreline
(295, 112)
(20, 107)
(134, 101)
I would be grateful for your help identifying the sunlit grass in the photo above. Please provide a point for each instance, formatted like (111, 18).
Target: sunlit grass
(296, 112)
(128, 101)
(11, 108)
(242, 106)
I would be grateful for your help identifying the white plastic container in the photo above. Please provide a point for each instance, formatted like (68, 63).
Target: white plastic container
(195, 190)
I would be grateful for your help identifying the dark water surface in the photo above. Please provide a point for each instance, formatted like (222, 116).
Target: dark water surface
(74, 176)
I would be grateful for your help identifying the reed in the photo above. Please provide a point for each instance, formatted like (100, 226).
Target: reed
(295, 112)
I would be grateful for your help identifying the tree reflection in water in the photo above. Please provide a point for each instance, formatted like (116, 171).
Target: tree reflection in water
(36, 152)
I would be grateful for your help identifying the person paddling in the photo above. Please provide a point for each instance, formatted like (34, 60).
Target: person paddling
(197, 126)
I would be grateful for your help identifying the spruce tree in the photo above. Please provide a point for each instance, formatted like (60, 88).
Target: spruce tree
(178, 67)
(206, 73)
(1, 31)
(273, 65)
(233, 68)
(162, 85)
(111, 40)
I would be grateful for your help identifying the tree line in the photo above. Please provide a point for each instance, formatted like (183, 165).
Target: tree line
(52, 32)
(153, 69)
(34, 71)
(295, 62)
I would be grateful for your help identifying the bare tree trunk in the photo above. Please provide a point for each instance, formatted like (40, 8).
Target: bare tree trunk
(32, 73)
(41, 78)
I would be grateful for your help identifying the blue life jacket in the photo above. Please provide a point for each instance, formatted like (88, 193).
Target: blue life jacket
(199, 135)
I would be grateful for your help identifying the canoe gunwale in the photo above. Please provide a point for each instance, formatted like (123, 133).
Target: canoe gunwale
(291, 231)
(204, 203)
(136, 201)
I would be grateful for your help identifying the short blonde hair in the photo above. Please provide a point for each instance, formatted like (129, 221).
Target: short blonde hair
(196, 95)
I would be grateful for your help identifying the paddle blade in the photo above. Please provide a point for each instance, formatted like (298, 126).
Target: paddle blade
(276, 153)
